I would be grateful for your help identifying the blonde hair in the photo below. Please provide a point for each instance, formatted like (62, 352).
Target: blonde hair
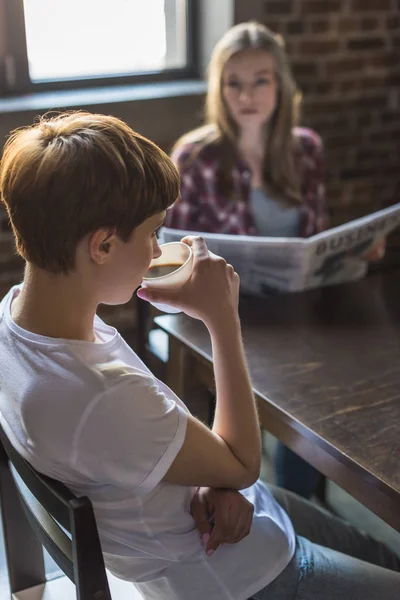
(69, 175)
(279, 169)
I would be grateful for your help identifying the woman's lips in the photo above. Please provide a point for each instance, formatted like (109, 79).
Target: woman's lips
(248, 111)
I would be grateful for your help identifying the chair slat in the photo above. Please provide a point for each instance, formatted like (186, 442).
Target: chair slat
(90, 571)
(24, 556)
(49, 506)
(50, 534)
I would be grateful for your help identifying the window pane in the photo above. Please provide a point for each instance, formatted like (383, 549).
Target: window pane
(70, 39)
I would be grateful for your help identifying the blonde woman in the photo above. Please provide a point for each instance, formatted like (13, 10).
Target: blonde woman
(251, 170)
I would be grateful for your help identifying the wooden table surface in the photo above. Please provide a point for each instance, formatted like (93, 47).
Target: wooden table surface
(325, 367)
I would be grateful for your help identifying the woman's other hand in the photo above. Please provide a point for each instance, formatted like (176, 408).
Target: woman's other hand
(376, 252)
(222, 516)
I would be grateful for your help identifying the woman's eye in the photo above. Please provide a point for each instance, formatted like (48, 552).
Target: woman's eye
(233, 84)
(263, 81)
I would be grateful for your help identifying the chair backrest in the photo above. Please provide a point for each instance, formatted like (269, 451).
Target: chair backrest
(64, 524)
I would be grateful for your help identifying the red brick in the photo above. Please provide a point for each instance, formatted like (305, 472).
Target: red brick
(6, 285)
(335, 194)
(345, 66)
(348, 86)
(386, 136)
(304, 70)
(386, 60)
(369, 23)
(5, 225)
(278, 7)
(393, 22)
(291, 47)
(295, 27)
(389, 117)
(372, 83)
(7, 247)
(275, 25)
(321, 26)
(324, 87)
(363, 5)
(354, 173)
(362, 187)
(393, 79)
(368, 102)
(12, 263)
(307, 89)
(364, 121)
(321, 107)
(321, 6)
(368, 43)
(316, 47)
(373, 155)
(317, 89)
(335, 124)
(349, 25)
(341, 140)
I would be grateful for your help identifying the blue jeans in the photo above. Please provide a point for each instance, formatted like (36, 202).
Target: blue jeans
(295, 474)
(333, 559)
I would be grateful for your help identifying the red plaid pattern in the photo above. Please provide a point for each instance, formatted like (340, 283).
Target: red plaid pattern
(203, 207)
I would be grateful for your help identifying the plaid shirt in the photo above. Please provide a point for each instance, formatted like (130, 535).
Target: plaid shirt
(203, 206)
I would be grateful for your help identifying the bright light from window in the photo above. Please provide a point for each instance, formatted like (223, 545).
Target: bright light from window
(69, 39)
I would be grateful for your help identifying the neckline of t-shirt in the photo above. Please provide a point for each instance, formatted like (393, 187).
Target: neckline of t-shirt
(99, 327)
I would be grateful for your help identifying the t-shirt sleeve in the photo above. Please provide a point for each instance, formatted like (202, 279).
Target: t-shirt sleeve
(129, 435)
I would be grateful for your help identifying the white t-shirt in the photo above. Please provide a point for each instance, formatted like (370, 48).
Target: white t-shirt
(93, 416)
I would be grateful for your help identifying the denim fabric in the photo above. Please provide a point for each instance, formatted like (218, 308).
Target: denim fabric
(333, 559)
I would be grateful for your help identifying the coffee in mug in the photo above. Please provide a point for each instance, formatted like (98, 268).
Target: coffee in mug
(162, 270)
(171, 270)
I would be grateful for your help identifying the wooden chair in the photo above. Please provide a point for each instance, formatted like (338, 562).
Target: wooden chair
(37, 511)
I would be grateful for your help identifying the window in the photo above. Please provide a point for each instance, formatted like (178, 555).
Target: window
(71, 43)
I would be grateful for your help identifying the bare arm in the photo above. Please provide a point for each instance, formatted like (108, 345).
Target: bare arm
(229, 454)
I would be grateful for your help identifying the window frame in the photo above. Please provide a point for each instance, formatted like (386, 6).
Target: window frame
(16, 70)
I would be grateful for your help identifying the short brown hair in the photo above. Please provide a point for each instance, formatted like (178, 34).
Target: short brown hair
(73, 173)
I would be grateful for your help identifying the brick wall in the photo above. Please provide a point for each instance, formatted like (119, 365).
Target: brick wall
(346, 60)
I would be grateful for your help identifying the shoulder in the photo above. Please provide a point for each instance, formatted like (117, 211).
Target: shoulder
(198, 148)
(308, 141)
(144, 428)
(129, 388)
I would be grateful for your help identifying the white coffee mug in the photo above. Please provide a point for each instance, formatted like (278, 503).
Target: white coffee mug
(172, 254)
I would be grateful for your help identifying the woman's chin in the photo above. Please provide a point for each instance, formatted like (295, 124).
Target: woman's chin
(250, 121)
(117, 299)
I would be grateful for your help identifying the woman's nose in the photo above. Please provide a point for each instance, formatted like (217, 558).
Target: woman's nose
(246, 94)
(156, 249)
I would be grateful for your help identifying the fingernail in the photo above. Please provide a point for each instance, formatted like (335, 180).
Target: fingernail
(142, 293)
(210, 552)
(205, 537)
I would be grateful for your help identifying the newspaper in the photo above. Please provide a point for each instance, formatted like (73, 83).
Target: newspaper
(296, 264)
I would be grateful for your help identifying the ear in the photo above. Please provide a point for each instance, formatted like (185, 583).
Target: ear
(101, 243)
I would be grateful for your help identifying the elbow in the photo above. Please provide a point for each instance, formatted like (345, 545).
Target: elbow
(250, 475)
(248, 480)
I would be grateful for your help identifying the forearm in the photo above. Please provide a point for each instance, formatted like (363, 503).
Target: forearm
(236, 420)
